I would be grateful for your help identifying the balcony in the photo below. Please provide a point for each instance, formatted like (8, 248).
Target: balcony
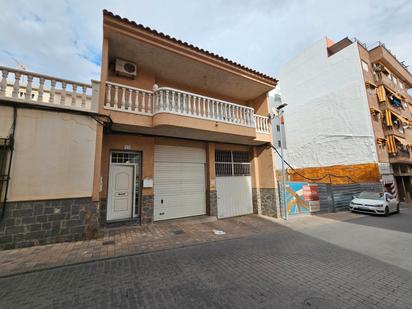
(164, 100)
(401, 157)
(394, 131)
(402, 112)
(379, 53)
(388, 83)
(37, 89)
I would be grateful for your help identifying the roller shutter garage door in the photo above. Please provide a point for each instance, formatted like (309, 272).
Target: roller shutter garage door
(179, 182)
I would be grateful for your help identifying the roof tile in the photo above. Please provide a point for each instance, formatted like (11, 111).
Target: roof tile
(188, 45)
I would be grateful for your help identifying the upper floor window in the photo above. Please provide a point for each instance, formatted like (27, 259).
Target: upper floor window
(365, 66)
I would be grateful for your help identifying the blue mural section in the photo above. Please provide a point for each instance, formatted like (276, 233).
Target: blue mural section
(295, 198)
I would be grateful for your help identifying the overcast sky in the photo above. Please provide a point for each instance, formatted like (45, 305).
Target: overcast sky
(63, 38)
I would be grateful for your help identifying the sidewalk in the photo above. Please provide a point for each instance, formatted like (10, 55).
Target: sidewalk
(131, 240)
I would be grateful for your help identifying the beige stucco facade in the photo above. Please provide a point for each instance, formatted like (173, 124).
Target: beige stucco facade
(189, 72)
(53, 156)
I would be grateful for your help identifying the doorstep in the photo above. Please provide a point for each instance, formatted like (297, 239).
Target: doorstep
(132, 240)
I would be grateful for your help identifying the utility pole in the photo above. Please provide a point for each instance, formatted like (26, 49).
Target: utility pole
(278, 113)
(282, 139)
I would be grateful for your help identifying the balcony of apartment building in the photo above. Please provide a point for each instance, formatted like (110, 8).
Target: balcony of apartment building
(399, 149)
(391, 101)
(390, 72)
(179, 90)
(395, 124)
(43, 91)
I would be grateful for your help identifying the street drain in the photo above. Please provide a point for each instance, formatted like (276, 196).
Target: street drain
(319, 303)
(178, 232)
(108, 242)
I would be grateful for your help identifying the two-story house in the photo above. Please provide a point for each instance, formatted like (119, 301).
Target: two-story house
(188, 134)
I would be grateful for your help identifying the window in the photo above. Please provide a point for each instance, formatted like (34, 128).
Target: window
(278, 128)
(125, 157)
(279, 144)
(232, 163)
(365, 66)
(401, 85)
(395, 81)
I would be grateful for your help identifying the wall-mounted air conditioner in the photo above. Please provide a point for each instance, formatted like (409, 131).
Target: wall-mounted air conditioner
(125, 68)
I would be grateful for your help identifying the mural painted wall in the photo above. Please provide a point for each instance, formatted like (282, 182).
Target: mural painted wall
(302, 198)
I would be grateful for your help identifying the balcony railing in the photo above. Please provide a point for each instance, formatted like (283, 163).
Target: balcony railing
(29, 87)
(169, 100)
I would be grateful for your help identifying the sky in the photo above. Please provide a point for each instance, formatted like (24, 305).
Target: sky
(64, 38)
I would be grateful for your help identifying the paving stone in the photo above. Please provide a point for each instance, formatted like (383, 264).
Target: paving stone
(281, 268)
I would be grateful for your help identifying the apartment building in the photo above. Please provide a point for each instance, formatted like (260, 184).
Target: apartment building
(349, 115)
(188, 130)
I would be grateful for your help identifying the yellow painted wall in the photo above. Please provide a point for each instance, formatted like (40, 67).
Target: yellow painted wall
(360, 173)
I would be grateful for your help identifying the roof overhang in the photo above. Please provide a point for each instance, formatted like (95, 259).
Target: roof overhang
(172, 60)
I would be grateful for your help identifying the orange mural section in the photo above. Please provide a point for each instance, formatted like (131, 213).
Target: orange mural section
(339, 174)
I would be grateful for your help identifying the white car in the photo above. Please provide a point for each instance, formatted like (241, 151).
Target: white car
(375, 203)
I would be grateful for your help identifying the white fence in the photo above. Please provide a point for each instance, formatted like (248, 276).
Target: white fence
(29, 87)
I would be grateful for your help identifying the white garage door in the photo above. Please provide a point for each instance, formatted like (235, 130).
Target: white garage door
(179, 182)
(234, 196)
(233, 184)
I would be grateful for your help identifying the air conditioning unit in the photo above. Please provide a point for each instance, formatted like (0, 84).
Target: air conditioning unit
(125, 68)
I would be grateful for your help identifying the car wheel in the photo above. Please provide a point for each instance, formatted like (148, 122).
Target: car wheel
(386, 211)
(397, 209)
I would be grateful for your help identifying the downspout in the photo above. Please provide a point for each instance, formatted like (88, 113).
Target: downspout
(11, 138)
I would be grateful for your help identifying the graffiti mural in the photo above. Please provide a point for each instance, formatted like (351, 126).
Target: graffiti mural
(302, 198)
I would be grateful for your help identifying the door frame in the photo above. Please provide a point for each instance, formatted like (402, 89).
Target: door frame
(109, 184)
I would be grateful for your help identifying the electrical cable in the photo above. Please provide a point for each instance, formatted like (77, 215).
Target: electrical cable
(308, 178)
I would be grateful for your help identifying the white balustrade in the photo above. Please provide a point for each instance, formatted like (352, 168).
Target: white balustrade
(168, 100)
(262, 124)
(29, 87)
(128, 99)
(189, 104)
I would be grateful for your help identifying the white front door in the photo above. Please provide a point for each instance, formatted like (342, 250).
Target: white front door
(120, 202)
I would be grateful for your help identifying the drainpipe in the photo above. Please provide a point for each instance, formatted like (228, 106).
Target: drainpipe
(11, 137)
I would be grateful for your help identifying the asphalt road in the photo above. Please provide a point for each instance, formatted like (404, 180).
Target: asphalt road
(321, 266)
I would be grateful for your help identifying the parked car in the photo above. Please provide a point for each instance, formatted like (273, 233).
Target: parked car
(376, 203)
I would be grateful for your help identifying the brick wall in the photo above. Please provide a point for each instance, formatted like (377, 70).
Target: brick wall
(41, 222)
